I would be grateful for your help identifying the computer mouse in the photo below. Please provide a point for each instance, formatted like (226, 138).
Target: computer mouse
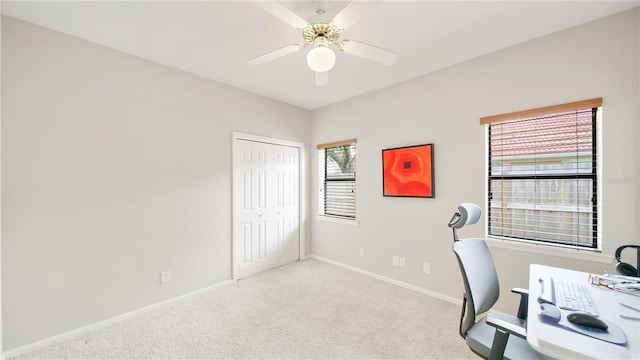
(586, 320)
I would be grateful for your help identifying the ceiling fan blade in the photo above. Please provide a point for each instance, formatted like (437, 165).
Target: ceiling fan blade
(322, 78)
(353, 12)
(282, 12)
(379, 55)
(275, 54)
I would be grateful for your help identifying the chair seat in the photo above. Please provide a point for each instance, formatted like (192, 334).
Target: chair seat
(480, 339)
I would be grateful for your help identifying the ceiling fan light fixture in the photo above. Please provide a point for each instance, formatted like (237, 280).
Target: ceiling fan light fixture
(321, 58)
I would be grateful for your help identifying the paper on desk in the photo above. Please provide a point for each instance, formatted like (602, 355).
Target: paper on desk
(626, 284)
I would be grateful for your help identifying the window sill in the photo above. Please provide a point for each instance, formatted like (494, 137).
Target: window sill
(594, 255)
(337, 220)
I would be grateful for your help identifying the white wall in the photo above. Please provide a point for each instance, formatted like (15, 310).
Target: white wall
(114, 169)
(599, 59)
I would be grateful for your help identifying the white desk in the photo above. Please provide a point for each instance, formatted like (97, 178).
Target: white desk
(562, 343)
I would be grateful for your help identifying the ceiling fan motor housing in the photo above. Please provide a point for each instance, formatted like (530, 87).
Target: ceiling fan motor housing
(321, 29)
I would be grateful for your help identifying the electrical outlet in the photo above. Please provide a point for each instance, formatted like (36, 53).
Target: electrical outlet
(426, 268)
(361, 251)
(403, 262)
(165, 277)
(395, 260)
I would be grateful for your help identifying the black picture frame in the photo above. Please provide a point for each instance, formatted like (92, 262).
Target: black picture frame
(408, 171)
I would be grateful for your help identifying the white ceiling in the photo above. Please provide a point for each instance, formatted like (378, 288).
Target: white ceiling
(214, 39)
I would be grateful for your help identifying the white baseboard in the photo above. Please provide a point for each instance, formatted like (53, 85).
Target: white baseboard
(100, 324)
(391, 281)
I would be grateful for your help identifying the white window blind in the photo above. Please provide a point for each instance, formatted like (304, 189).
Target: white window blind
(337, 179)
(542, 176)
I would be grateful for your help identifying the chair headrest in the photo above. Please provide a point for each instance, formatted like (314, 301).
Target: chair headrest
(468, 214)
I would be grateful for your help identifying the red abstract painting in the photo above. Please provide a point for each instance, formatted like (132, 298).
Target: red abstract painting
(408, 171)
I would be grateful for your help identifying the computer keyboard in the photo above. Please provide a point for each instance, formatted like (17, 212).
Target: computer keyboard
(567, 295)
(574, 296)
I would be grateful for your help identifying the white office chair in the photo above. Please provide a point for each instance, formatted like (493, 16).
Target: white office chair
(488, 337)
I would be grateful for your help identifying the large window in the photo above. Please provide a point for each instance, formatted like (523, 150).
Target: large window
(543, 174)
(337, 179)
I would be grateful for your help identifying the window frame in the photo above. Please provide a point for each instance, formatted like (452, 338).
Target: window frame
(508, 241)
(324, 180)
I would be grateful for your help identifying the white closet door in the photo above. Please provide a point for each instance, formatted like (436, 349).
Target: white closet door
(266, 206)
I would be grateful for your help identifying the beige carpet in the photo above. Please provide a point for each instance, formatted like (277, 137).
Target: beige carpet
(304, 310)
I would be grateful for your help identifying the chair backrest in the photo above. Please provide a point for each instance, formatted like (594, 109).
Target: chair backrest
(481, 287)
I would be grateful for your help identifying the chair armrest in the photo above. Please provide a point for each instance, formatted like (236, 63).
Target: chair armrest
(520, 291)
(505, 325)
(524, 302)
(511, 327)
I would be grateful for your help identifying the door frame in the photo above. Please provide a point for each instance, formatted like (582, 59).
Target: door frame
(235, 138)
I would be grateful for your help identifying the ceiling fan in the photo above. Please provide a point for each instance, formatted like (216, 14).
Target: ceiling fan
(321, 34)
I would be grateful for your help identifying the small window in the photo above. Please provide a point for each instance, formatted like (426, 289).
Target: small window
(543, 175)
(337, 179)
